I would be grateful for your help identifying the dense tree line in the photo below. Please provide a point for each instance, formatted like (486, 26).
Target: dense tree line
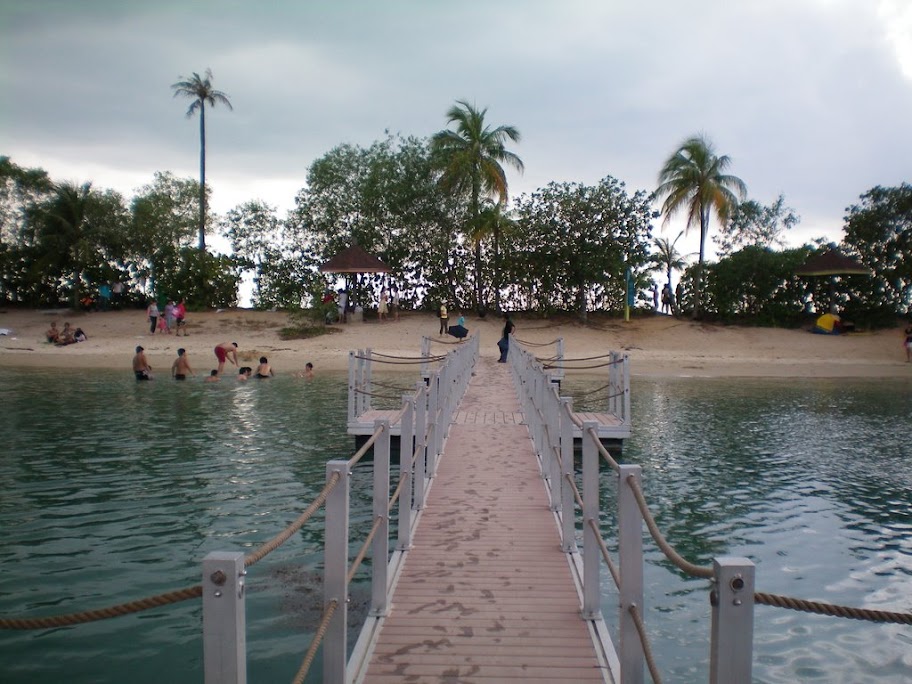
(562, 248)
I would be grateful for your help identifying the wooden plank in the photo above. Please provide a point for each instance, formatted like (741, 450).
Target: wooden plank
(485, 594)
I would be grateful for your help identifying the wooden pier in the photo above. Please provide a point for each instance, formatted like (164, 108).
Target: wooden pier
(485, 593)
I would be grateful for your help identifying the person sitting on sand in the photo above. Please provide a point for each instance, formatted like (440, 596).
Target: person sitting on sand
(66, 335)
(181, 366)
(213, 376)
(244, 373)
(53, 334)
(226, 351)
(141, 367)
(79, 336)
(264, 370)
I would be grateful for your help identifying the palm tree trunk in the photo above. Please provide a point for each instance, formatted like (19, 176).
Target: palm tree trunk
(698, 283)
(479, 288)
(497, 270)
(202, 219)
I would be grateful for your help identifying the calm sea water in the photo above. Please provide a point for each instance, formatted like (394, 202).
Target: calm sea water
(114, 490)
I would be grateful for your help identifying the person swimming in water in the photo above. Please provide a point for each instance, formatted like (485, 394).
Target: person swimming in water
(264, 370)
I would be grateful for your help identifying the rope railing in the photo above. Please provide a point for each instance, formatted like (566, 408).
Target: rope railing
(536, 344)
(315, 643)
(561, 366)
(274, 543)
(679, 561)
(644, 641)
(609, 459)
(118, 610)
(411, 362)
(833, 610)
(362, 552)
(359, 454)
(376, 395)
(606, 555)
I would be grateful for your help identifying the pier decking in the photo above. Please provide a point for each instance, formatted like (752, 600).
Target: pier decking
(486, 593)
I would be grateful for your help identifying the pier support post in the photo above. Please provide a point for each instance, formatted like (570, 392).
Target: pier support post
(406, 457)
(732, 600)
(592, 554)
(335, 573)
(568, 501)
(224, 619)
(630, 542)
(552, 411)
(420, 444)
(380, 543)
(433, 418)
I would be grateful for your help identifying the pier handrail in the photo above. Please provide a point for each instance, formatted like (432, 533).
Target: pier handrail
(550, 418)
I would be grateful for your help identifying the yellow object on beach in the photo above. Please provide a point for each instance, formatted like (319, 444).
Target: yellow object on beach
(828, 322)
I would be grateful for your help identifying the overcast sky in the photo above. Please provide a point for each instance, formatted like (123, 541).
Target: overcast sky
(809, 98)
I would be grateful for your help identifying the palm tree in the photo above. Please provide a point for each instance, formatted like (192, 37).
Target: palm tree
(668, 257)
(492, 221)
(471, 159)
(202, 93)
(693, 178)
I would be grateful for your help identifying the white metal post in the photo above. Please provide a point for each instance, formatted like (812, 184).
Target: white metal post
(420, 444)
(626, 389)
(406, 453)
(568, 501)
(433, 420)
(368, 379)
(591, 550)
(554, 472)
(732, 600)
(352, 361)
(380, 543)
(224, 619)
(630, 542)
(335, 572)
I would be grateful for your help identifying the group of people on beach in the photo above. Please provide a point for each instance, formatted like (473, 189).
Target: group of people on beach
(68, 335)
(224, 352)
(174, 318)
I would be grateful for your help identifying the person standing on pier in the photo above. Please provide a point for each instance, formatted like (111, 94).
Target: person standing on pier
(504, 342)
(444, 319)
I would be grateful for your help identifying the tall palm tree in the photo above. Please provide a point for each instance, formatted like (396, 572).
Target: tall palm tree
(202, 93)
(668, 257)
(492, 221)
(694, 179)
(471, 159)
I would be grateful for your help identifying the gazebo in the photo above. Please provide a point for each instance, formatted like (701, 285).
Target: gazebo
(354, 260)
(832, 263)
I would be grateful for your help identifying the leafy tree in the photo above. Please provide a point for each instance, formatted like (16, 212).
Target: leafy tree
(573, 243)
(492, 221)
(471, 159)
(757, 284)
(754, 224)
(384, 198)
(200, 90)
(163, 223)
(878, 231)
(694, 179)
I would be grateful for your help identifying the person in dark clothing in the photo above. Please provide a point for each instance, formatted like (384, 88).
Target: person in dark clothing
(504, 343)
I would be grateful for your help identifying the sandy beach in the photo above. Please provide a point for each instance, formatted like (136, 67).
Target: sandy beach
(657, 345)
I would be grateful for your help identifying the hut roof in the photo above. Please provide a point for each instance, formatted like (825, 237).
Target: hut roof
(354, 260)
(832, 262)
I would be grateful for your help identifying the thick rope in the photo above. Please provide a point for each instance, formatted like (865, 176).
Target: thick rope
(424, 359)
(536, 344)
(612, 568)
(559, 366)
(667, 549)
(576, 492)
(104, 613)
(588, 358)
(602, 450)
(376, 395)
(315, 644)
(644, 641)
(392, 502)
(359, 454)
(392, 387)
(285, 535)
(597, 389)
(831, 609)
(363, 551)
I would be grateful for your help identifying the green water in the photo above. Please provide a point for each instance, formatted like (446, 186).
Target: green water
(115, 490)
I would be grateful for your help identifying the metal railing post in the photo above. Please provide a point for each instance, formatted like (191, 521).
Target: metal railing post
(406, 453)
(591, 552)
(425, 354)
(380, 543)
(626, 389)
(732, 600)
(352, 396)
(368, 380)
(420, 445)
(568, 501)
(552, 408)
(224, 619)
(630, 552)
(433, 419)
(335, 572)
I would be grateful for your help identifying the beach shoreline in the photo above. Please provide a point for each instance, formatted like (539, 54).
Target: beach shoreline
(658, 345)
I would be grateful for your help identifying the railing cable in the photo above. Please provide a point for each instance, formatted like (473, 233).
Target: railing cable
(315, 644)
(644, 641)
